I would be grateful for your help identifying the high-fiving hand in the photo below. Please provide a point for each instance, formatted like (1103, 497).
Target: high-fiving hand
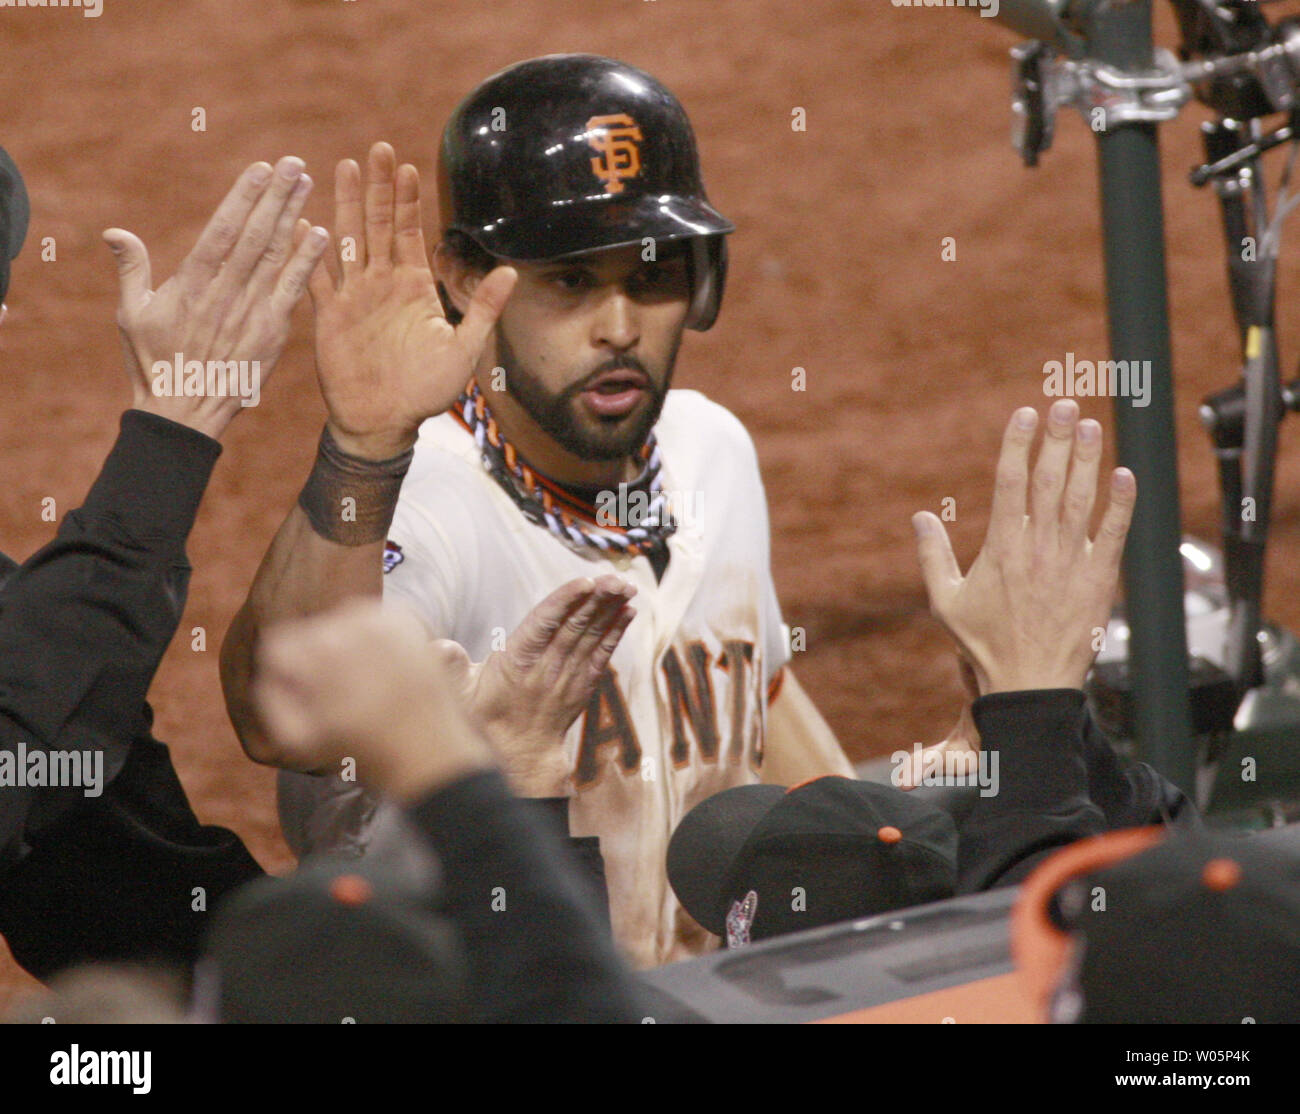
(386, 355)
(230, 300)
(1028, 613)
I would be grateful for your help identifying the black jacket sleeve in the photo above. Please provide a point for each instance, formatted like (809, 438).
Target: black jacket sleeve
(1041, 799)
(84, 622)
(1131, 795)
(537, 951)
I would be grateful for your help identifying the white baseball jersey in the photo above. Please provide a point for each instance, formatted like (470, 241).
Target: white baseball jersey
(680, 713)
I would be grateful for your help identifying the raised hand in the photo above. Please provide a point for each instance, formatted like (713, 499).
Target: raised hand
(1027, 614)
(230, 300)
(527, 696)
(386, 356)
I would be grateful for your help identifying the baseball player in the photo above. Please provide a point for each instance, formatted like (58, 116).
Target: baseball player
(550, 447)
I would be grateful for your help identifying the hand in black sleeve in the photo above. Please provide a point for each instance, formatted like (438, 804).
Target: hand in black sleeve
(1040, 800)
(536, 950)
(84, 622)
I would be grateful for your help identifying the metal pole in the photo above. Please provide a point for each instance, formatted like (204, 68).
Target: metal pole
(1137, 304)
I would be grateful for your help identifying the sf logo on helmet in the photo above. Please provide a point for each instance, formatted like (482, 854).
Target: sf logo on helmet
(615, 138)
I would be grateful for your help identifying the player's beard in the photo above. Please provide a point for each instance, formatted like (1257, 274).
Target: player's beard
(559, 416)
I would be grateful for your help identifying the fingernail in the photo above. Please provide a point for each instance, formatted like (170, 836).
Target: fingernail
(921, 524)
(261, 174)
(1061, 410)
(1089, 430)
(1026, 417)
(320, 233)
(304, 184)
(291, 167)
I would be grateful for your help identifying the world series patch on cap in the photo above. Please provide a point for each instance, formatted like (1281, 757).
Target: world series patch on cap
(1198, 927)
(758, 861)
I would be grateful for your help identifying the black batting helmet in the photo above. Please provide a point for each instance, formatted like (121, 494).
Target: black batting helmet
(572, 153)
(14, 213)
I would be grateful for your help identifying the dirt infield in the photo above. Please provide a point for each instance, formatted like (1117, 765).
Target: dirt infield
(912, 362)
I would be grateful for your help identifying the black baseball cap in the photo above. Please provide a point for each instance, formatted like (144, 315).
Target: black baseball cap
(15, 211)
(340, 940)
(1196, 927)
(758, 861)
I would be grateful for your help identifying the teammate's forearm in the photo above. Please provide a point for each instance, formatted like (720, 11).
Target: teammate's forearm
(301, 574)
(87, 618)
(1039, 800)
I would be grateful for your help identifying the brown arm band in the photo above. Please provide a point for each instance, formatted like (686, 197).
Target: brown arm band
(348, 500)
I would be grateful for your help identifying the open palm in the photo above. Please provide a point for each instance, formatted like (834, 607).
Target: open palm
(386, 356)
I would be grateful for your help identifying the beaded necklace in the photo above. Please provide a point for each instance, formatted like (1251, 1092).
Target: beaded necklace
(577, 523)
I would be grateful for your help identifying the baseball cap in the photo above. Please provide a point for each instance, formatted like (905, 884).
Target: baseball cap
(757, 861)
(340, 940)
(15, 211)
(1199, 927)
